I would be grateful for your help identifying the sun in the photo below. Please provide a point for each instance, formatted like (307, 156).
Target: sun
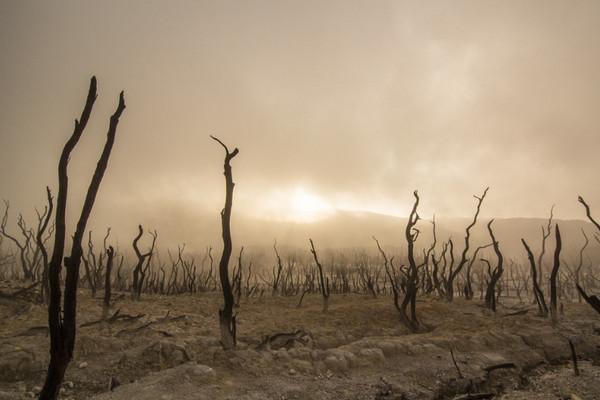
(305, 206)
(292, 203)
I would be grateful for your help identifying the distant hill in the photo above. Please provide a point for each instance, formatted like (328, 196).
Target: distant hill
(345, 229)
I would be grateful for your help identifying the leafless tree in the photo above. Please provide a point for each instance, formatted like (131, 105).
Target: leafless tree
(490, 296)
(553, 313)
(545, 235)
(537, 292)
(410, 296)
(62, 323)
(463, 260)
(226, 317)
(576, 271)
(237, 279)
(139, 272)
(45, 292)
(23, 246)
(593, 301)
(276, 272)
(110, 254)
(468, 285)
(324, 283)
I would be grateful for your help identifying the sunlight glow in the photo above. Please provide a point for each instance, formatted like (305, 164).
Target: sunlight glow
(306, 206)
(297, 204)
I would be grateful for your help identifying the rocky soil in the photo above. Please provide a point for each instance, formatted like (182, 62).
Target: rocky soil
(168, 348)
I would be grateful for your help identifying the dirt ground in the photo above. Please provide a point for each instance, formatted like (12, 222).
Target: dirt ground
(168, 348)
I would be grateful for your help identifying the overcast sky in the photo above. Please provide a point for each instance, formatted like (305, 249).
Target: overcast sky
(332, 104)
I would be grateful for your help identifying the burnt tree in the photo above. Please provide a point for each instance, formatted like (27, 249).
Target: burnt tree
(277, 270)
(463, 260)
(45, 292)
(22, 246)
(490, 294)
(226, 318)
(110, 254)
(593, 301)
(537, 292)
(139, 272)
(62, 323)
(546, 231)
(324, 283)
(554, 273)
(410, 295)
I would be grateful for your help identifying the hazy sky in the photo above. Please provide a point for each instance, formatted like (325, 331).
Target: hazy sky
(333, 104)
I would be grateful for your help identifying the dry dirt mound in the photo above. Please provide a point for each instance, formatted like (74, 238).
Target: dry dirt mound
(167, 348)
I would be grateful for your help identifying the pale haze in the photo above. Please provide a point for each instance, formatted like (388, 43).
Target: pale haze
(348, 105)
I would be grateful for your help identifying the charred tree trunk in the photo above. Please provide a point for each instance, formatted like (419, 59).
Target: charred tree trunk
(23, 247)
(463, 260)
(226, 318)
(324, 284)
(537, 292)
(593, 301)
(45, 292)
(110, 253)
(62, 324)
(276, 275)
(490, 295)
(545, 235)
(410, 296)
(553, 312)
(139, 272)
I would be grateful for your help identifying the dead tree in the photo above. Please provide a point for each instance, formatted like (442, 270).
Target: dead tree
(463, 260)
(537, 292)
(490, 295)
(62, 324)
(92, 266)
(324, 283)
(139, 272)
(575, 273)
(469, 293)
(410, 295)
(593, 301)
(226, 317)
(553, 313)
(22, 246)
(545, 235)
(237, 280)
(110, 254)
(410, 274)
(45, 292)
(276, 272)
(588, 213)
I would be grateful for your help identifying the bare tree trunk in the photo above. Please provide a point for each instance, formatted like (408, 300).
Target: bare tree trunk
(324, 285)
(545, 235)
(138, 272)
(537, 292)
(226, 318)
(553, 313)
(110, 252)
(490, 297)
(463, 260)
(45, 292)
(23, 247)
(588, 213)
(62, 325)
(276, 276)
(410, 296)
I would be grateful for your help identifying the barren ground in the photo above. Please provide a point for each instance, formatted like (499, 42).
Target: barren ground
(358, 350)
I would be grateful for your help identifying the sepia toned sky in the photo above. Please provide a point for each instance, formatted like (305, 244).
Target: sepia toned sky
(333, 105)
